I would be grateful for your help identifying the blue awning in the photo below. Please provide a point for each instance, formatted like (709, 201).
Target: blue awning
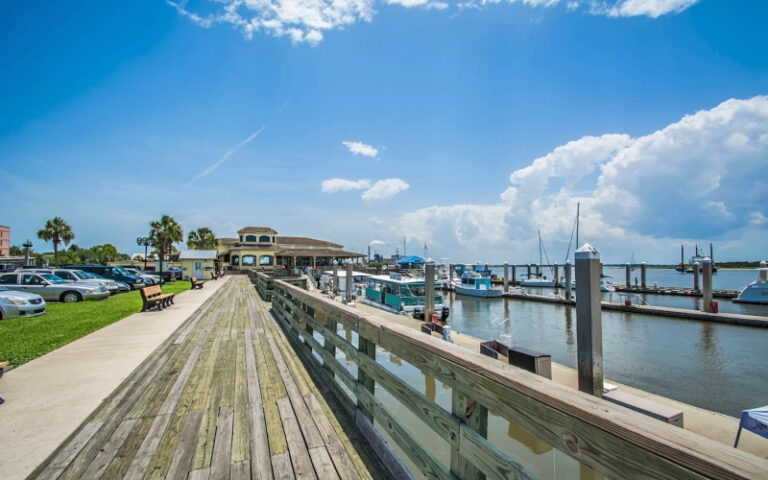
(755, 420)
(411, 259)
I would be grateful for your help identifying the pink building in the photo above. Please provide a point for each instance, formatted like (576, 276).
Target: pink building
(5, 240)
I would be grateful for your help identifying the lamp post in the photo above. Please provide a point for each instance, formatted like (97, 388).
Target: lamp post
(27, 245)
(146, 242)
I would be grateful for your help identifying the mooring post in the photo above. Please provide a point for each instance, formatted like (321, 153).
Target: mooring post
(506, 277)
(568, 282)
(642, 275)
(349, 283)
(450, 274)
(514, 274)
(696, 268)
(538, 269)
(628, 274)
(589, 325)
(529, 270)
(555, 272)
(335, 277)
(706, 281)
(429, 287)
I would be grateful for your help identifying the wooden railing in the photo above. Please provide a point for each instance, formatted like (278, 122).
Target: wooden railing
(613, 441)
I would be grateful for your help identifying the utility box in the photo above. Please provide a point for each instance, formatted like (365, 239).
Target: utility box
(531, 360)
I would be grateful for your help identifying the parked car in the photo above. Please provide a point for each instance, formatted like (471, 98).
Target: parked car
(77, 276)
(114, 272)
(148, 278)
(20, 304)
(51, 287)
(7, 267)
(122, 286)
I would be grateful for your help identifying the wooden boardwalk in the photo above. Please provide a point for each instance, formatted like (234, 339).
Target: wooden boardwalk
(223, 397)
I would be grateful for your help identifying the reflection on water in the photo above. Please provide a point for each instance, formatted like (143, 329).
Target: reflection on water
(570, 337)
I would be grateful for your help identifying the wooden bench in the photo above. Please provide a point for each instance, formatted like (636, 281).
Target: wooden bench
(2, 370)
(196, 283)
(154, 297)
(655, 410)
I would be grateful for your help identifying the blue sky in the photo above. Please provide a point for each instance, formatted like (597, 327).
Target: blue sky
(465, 126)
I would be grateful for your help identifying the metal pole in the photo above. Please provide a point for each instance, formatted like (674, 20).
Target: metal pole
(696, 267)
(589, 327)
(568, 282)
(429, 300)
(349, 282)
(707, 284)
(642, 275)
(506, 277)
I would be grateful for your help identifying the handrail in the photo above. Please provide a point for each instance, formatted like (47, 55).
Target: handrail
(610, 439)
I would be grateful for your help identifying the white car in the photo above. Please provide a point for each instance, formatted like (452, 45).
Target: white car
(20, 304)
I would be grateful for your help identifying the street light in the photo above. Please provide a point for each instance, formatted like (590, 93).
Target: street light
(146, 242)
(27, 245)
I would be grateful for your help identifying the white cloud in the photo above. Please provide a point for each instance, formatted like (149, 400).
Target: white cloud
(340, 184)
(384, 189)
(361, 148)
(304, 21)
(700, 178)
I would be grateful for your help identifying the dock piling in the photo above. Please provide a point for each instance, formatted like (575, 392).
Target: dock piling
(706, 274)
(506, 277)
(555, 273)
(589, 326)
(628, 274)
(568, 282)
(514, 274)
(335, 277)
(349, 283)
(529, 270)
(429, 284)
(696, 267)
(642, 275)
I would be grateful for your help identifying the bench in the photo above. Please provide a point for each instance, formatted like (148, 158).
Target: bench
(658, 411)
(2, 370)
(531, 360)
(196, 283)
(154, 297)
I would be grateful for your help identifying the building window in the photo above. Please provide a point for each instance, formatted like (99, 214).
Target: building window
(266, 260)
(235, 260)
(264, 239)
(250, 239)
(249, 260)
(241, 238)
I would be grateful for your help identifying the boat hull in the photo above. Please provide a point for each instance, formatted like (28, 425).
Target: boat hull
(474, 292)
(755, 293)
(534, 283)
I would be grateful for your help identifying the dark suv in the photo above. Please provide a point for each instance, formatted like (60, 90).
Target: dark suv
(114, 272)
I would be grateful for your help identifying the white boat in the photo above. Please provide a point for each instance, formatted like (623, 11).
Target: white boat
(359, 280)
(757, 291)
(476, 285)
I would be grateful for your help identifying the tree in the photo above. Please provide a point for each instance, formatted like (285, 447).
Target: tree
(164, 233)
(56, 230)
(15, 251)
(201, 239)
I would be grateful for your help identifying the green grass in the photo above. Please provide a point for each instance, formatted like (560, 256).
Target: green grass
(24, 339)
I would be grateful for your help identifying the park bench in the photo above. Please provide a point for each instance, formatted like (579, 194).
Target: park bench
(154, 297)
(2, 370)
(196, 283)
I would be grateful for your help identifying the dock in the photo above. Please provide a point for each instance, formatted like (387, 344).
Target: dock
(223, 397)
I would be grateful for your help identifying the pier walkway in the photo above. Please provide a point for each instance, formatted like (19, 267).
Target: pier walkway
(222, 397)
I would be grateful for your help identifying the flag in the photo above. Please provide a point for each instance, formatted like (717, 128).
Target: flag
(425, 246)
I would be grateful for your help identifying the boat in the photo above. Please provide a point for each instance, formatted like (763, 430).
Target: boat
(476, 285)
(396, 294)
(536, 280)
(757, 291)
(606, 286)
(683, 267)
(359, 280)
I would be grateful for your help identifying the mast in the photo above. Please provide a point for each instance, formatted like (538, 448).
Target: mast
(578, 205)
(682, 257)
(404, 254)
(540, 248)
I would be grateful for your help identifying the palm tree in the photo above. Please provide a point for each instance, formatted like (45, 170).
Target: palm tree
(164, 233)
(201, 239)
(56, 230)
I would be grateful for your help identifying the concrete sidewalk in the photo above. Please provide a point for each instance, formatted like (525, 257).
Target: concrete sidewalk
(49, 397)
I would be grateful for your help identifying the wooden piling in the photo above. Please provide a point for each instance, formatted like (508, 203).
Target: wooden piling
(707, 285)
(642, 275)
(696, 267)
(589, 327)
(506, 277)
(628, 274)
(429, 284)
(568, 282)
(350, 285)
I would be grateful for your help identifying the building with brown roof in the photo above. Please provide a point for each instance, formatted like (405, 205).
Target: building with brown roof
(262, 247)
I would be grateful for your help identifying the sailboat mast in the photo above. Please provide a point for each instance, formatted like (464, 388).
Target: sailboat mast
(540, 248)
(578, 206)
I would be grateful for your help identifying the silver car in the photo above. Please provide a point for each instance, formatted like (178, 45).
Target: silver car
(76, 276)
(51, 287)
(122, 286)
(20, 304)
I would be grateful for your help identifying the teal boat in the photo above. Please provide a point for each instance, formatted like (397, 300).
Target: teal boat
(400, 295)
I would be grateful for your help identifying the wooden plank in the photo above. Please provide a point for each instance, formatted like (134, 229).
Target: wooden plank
(475, 416)
(489, 459)
(222, 447)
(144, 455)
(108, 452)
(384, 450)
(365, 381)
(435, 416)
(261, 465)
(240, 434)
(200, 474)
(69, 451)
(323, 464)
(281, 467)
(240, 471)
(302, 464)
(185, 447)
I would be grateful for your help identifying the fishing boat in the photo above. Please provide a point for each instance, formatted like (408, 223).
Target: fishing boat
(476, 285)
(757, 291)
(400, 295)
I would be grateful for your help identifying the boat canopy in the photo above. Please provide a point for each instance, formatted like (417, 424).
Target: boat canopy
(755, 420)
(410, 259)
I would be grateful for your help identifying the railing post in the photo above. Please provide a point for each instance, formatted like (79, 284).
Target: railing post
(365, 347)
(474, 416)
(589, 325)
(328, 346)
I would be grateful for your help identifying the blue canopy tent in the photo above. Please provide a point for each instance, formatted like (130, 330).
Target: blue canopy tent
(755, 420)
(411, 260)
